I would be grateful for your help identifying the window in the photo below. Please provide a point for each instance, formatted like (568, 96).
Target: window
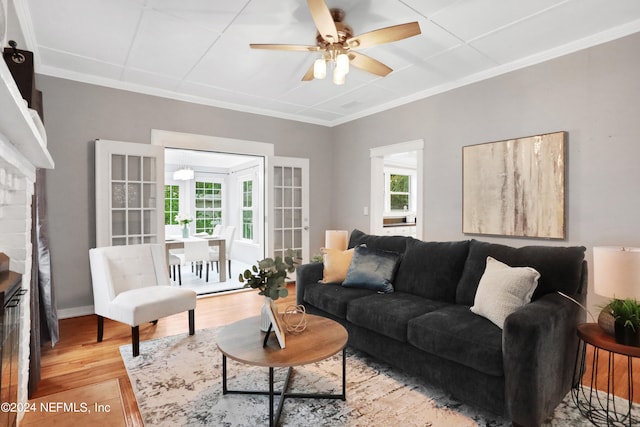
(399, 192)
(171, 204)
(247, 209)
(208, 197)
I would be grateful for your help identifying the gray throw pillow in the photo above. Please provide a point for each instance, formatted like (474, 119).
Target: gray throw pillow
(372, 269)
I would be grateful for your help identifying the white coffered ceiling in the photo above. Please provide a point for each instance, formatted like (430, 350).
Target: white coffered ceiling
(198, 50)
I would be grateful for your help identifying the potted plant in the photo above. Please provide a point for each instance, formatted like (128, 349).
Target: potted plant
(627, 321)
(268, 276)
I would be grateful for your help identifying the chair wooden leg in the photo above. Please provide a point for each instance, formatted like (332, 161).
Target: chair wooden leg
(192, 322)
(100, 328)
(206, 279)
(135, 340)
(179, 276)
(229, 273)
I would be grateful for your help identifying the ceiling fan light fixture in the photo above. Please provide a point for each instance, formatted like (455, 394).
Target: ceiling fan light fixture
(183, 174)
(338, 77)
(342, 63)
(319, 69)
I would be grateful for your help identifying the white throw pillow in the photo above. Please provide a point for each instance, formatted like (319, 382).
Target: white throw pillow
(503, 289)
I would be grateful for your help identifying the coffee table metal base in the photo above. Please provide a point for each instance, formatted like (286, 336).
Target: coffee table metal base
(274, 415)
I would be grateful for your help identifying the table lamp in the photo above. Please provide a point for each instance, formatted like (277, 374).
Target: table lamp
(616, 274)
(336, 239)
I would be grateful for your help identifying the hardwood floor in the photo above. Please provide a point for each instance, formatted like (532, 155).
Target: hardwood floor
(78, 360)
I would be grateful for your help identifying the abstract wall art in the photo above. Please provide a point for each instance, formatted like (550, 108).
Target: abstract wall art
(515, 187)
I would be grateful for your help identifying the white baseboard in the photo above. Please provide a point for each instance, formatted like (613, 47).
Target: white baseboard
(66, 313)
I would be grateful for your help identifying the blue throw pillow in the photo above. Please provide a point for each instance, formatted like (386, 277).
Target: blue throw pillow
(372, 269)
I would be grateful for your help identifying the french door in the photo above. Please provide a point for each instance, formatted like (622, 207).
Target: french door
(129, 193)
(291, 206)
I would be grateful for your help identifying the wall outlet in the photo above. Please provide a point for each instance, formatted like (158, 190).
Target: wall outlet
(365, 211)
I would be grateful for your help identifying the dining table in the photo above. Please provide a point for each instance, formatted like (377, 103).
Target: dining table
(177, 242)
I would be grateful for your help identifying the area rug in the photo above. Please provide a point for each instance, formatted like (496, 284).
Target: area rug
(177, 381)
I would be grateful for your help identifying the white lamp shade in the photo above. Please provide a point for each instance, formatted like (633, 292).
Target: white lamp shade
(338, 77)
(319, 69)
(616, 272)
(342, 64)
(336, 239)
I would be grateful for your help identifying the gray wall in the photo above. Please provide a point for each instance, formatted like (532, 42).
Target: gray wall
(76, 114)
(594, 95)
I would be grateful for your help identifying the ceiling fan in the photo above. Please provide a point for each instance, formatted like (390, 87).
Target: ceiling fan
(337, 45)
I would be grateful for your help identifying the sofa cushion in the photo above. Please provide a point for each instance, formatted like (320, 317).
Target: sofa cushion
(387, 243)
(372, 268)
(389, 314)
(456, 334)
(335, 264)
(432, 269)
(503, 290)
(560, 267)
(332, 297)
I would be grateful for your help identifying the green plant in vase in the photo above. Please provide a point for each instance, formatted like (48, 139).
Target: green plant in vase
(626, 314)
(269, 275)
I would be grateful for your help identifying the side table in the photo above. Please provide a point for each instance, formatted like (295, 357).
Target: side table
(601, 410)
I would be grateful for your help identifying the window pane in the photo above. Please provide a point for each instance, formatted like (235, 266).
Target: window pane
(133, 168)
(208, 204)
(117, 167)
(399, 183)
(171, 203)
(247, 213)
(399, 201)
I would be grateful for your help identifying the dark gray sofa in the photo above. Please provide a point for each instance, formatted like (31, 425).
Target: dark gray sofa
(425, 326)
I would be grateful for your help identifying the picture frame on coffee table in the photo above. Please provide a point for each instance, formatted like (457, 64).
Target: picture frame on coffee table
(276, 324)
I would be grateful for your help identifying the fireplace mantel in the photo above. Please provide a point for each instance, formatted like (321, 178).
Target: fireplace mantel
(22, 146)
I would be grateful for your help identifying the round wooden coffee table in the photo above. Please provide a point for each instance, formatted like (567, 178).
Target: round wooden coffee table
(243, 341)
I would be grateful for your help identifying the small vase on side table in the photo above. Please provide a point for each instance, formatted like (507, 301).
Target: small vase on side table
(185, 231)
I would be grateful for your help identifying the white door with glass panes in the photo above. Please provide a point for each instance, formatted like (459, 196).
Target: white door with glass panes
(291, 206)
(129, 193)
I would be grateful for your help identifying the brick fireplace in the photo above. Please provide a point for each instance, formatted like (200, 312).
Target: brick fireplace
(22, 151)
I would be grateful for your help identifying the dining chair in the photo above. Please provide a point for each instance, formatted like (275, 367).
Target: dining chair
(174, 263)
(214, 254)
(131, 286)
(196, 251)
(217, 230)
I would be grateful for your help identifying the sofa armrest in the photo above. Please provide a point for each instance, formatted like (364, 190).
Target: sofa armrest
(539, 345)
(307, 273)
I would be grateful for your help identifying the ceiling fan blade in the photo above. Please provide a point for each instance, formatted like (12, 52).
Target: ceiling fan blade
(323, 20)
(296, 47)
(308, 76)
(384, 35)
(369, 64)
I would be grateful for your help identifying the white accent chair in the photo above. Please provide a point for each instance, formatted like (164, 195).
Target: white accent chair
(214, 255)
(131, 285)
